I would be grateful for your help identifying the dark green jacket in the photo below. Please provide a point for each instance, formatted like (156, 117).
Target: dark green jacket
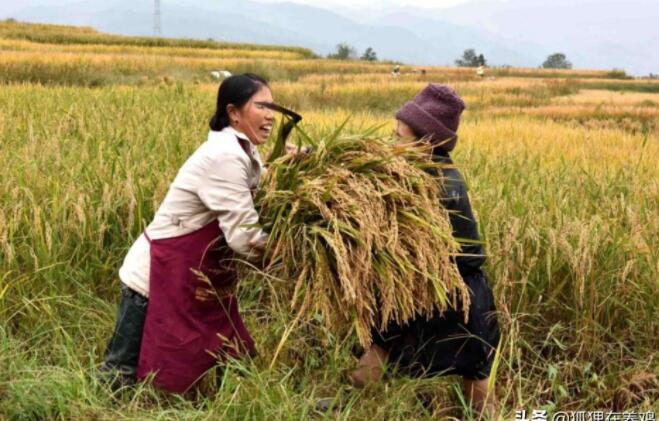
(465, 227)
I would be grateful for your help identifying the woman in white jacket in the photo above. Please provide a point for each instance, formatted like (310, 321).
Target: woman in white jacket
(177, 279)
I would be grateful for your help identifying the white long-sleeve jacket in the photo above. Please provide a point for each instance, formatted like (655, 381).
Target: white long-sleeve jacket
(216, 182)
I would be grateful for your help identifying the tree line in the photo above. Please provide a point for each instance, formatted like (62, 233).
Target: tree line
(469, 58)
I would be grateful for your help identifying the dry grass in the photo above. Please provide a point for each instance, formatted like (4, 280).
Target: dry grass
(609, 98)
(130, 50)
(61, 34)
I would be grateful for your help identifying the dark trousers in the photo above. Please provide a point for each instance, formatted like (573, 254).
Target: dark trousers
(123, 350)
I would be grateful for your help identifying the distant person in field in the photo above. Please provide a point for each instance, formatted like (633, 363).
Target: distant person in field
(445, 344)
(480, 71)
(178, 280)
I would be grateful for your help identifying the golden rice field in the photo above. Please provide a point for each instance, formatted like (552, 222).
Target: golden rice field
(563, 175)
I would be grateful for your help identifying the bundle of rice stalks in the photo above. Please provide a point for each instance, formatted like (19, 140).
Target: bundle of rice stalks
(357, 229)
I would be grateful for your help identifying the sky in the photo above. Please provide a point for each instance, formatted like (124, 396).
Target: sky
(371, 3)
(326, 4)
(319, 3)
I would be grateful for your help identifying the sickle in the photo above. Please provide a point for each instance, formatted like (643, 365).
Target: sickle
(284, 129)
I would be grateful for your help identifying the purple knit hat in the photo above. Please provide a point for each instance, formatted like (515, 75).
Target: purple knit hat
(434, 113)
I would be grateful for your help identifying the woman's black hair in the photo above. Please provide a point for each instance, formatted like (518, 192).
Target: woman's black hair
(236, 90)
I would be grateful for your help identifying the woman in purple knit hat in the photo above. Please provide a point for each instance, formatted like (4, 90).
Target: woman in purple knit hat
(444, 344)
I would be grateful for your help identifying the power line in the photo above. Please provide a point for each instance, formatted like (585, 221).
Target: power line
(157, 29)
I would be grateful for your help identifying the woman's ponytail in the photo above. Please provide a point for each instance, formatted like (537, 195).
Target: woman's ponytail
(219, 121)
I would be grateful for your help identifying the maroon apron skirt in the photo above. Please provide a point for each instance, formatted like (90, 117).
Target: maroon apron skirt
(191, 322)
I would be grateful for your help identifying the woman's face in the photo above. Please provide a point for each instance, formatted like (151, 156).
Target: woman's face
(253, 119)
(404, 133)
(405, 137)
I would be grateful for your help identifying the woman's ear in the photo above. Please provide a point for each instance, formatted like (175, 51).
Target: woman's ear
(233, 113)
